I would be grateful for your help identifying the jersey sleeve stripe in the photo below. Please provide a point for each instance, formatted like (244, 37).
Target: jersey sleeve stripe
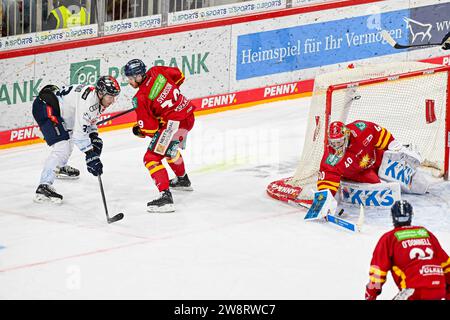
(446, 263)
(149, 131)
(377, 271)
(325, 186)
(381, 138)
(386, 140)
(336, 184)
(400, 274)
(181, 79)
(377, 280)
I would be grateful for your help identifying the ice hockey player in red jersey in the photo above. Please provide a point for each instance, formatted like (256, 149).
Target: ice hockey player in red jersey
(354, 153)
(419, 265)
(166, 116)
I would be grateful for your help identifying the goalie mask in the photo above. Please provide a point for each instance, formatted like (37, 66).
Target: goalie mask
(338, 136)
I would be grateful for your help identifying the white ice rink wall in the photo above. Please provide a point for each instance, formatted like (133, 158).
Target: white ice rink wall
(229, 56)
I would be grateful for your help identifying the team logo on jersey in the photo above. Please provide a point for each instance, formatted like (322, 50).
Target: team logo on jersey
(361, 125)
(366, 161)
(86, 72)
(332, 159)
(134, 102)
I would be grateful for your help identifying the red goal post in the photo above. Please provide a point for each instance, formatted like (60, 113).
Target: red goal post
(410, 99)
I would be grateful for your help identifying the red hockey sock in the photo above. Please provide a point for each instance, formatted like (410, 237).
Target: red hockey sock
(157, 170)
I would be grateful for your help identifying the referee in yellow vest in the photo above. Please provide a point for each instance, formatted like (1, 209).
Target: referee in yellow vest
(69, 14)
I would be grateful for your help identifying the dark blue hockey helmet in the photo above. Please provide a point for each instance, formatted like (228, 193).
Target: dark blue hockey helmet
(402, 213)
(134, 68)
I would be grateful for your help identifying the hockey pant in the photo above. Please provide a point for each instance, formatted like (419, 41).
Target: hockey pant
(153, 160)
(59, 155)
(51, 124)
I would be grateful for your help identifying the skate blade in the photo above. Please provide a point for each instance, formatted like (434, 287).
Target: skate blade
(63, 177)
(182, 188)
(164, 209)
(39, 198)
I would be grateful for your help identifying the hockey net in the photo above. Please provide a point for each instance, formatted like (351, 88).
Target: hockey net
(410, 99)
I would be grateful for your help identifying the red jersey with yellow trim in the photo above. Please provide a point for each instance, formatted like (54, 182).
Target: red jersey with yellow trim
(361, 160)
(159, 99)
(414, 257)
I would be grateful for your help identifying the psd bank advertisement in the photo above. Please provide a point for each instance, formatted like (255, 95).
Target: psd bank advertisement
(326, 43)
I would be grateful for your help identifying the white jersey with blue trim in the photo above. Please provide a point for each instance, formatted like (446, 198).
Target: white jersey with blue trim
(80, 109)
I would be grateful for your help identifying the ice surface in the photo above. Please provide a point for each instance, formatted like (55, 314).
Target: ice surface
(227, 239)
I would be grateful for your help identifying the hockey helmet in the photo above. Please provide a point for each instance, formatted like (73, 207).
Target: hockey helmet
(402, 213)
(107, 85)
(134, 68)
(338, 135)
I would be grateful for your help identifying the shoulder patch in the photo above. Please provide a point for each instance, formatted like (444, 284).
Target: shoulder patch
(332, 160)
(158, 85)
(85, 93)
(361, 125)
(411, 234)
(134, 102)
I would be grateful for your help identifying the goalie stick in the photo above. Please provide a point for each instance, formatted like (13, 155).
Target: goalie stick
(395, 45)
(115, 218)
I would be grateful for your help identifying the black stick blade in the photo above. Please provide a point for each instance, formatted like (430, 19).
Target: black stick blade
(117, 217)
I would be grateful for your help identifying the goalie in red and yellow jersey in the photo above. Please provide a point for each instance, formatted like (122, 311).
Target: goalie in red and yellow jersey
(354, 152)
(166, 116)
(419, 265)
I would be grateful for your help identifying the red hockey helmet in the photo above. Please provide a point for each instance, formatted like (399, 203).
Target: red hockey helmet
(338, 137)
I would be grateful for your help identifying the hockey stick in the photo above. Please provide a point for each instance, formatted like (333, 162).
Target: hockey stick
(395, 45)
(113, 117)
(115, 218)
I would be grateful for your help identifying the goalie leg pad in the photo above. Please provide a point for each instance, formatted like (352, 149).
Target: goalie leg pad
(372, 195)
(403, 168)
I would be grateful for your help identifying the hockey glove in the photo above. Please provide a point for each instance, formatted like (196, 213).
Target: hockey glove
(97, 142)
(137, 131)
(94, 165)
(446, 42)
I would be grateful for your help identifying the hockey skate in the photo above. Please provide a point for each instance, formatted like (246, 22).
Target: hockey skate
(181, 183)
(46, 193)
(163, 204)
(67, 172)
